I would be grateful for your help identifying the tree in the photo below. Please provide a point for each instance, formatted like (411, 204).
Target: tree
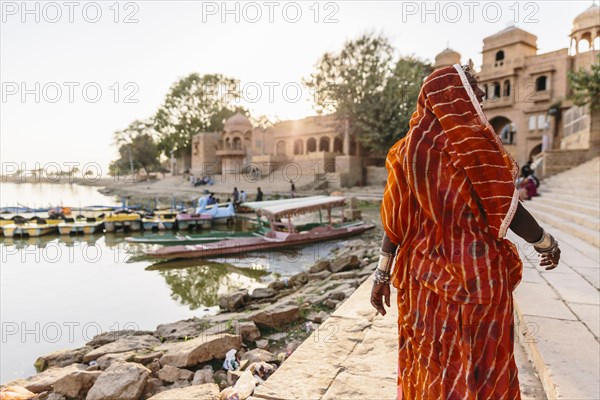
(586, 87)
(137, 148)
(364, 85)
(263, 121)
(194, 104)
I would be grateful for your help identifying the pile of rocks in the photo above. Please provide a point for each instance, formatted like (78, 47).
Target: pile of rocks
(184, 359)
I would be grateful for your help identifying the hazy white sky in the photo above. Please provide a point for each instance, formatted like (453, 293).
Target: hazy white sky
(64, 52)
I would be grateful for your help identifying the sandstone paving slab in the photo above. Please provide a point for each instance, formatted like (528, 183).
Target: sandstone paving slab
(590, 315)
(376, 356)
(358, 305)
(531, 387)
(567, 356)
(347, 385)
(592, 275)
(572, 287)
(566, 240)
(307, 381)
(529, 265)
(316, 362)
(573, 258)
(539, 299)
(531, 275)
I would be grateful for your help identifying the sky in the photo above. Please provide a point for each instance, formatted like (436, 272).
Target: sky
(73, 73)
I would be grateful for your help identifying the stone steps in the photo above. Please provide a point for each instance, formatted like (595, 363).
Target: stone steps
(566, 205)
(583, 195)
(565, 197)
(584, 220)
(570, 202)
(588, 235)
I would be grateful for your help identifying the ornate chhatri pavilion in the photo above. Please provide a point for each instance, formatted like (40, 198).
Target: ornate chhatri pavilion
(528, 92)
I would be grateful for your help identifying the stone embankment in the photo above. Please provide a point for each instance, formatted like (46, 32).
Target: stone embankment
(185, 359)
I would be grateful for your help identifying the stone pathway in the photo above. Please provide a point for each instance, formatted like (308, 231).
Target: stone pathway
(559, 315)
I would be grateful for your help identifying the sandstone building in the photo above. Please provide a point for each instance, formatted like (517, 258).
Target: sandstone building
(528, 92)
(527, 104)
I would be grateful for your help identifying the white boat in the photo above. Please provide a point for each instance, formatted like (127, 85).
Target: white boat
(221, 214)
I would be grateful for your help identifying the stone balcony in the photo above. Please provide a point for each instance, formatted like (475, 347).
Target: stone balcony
(231, 152)
(498, 102)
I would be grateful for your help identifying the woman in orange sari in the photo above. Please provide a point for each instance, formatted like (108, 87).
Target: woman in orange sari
(448, 203)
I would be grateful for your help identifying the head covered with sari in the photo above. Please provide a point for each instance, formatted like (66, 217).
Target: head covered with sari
(450, 194)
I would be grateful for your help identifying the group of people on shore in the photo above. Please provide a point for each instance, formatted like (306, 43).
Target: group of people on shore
(237, 196)
(205, 180)
(240, 196)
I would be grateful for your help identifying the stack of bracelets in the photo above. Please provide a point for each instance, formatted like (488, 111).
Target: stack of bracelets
(546, 245)
(384, 267)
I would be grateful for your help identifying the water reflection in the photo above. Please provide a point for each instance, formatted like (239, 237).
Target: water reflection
(198, 284)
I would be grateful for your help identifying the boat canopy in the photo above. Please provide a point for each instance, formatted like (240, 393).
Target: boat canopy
(300, 206)
(255, 205)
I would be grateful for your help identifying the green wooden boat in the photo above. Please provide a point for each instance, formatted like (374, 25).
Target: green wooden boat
(182, 239)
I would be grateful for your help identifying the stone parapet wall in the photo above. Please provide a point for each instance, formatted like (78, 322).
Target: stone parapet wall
(556, 161)
(351, 170)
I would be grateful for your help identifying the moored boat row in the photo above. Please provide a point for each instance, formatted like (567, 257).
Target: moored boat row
(118, 220)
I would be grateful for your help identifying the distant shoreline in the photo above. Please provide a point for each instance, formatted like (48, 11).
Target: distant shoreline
(55, 180)
(169, 188)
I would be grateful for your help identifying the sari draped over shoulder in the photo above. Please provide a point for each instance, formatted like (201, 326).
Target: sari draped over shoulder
(449, 199)
(450, 196)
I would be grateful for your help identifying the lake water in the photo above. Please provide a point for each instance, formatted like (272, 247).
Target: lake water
(58, 292)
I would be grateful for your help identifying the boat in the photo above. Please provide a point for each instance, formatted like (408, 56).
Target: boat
(85, 226)
(33, 228)
(159, 222)
(4, 221)
(222, 214)
(280, 235)
(42, 227)
(122, 221)
(193, 221)
(170, 240)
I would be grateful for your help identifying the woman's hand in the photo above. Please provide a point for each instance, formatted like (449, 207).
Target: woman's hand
(379, 293)
(550, 261)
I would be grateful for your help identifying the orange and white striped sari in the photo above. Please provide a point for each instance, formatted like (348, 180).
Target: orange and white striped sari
(448, 202)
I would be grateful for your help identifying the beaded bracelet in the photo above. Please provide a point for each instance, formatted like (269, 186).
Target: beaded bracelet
(546, 245)
(381, 277)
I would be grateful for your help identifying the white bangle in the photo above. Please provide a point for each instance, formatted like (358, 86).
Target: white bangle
(545, 242)
(385, 263)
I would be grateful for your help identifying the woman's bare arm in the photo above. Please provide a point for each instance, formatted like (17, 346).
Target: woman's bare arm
(387, 245)
(525, 226)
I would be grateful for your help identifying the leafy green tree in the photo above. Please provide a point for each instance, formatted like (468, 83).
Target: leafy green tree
(586, 87)
(194, 104)
(137, 148)
(365, 85)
